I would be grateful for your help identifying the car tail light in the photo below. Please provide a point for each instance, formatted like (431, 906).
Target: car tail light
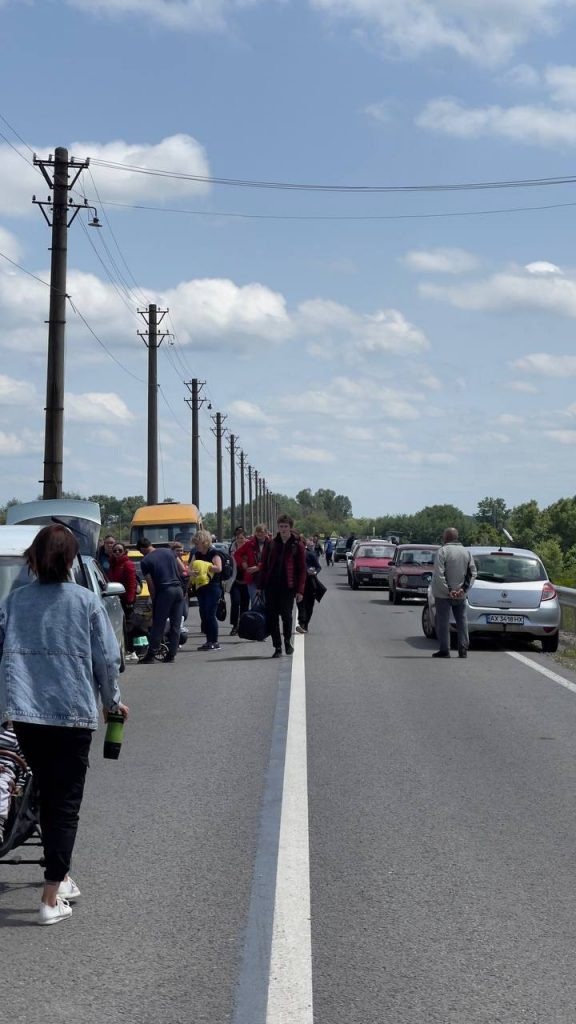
(548, 592)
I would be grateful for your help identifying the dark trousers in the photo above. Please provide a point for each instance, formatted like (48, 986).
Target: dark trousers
(208, 597)
(279, 605)
(306, 606)
(167, 605)
(239, 602)
(443, 606)
(58, 758)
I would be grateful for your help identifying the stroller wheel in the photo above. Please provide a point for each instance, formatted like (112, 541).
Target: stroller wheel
(162, 653)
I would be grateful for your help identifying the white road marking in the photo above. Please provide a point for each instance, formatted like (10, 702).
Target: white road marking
(290, 983)
(544, 671)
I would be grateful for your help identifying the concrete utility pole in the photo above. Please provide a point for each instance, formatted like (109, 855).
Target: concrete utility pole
(256, 498)
(61, 208)
(219, 421)
(153, 317)
(195, 402)
(242, 494)
(232, 451)
(250, 503)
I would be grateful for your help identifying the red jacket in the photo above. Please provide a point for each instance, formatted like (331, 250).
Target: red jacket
(122, 571)
(248, 554)
(294, 562)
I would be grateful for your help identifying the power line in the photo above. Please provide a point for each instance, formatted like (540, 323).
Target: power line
(101, 343)
(13, 130)
(23, 269)
(354, 189)
(335, 217)
(143, 300)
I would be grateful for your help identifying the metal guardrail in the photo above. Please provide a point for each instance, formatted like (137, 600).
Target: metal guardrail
(567, 597)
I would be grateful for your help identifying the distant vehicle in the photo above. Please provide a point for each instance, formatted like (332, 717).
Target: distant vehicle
(83, 519)
(370, 565)
(164, 523)
(411, 571)
(340, 551)
(511, 596)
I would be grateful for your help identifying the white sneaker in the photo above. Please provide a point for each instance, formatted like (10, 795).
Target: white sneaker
(53, 915)
(301, 629)
(131, 656)
(69, 890)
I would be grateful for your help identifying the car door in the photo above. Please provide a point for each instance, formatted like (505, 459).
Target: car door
(88, 573)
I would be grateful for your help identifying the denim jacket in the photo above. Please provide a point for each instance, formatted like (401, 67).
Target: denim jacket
(58, 654)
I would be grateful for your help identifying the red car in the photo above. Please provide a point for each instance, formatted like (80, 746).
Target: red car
(369, 565)
(411, 571)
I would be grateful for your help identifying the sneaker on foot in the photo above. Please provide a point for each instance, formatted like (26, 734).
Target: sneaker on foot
(288, 648)
(441, 654)
(277, 652)
(69, 890)
(53, 915)
(131, 656)
(233, 631)
(462, 652)
(301, 629)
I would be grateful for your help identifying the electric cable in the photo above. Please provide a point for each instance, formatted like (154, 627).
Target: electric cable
(101, 343)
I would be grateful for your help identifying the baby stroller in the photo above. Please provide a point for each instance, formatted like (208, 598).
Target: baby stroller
(21, 828)
(141, 643)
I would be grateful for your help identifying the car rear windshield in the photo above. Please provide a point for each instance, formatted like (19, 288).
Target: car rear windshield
(416, 557)
(505, 568)
(378, 551)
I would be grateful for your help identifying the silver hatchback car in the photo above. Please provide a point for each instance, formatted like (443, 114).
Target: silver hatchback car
(511, 595)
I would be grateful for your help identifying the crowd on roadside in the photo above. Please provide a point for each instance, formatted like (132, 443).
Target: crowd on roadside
(270, 573)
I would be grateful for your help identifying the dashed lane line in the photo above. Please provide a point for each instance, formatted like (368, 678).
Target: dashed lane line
(543, 671)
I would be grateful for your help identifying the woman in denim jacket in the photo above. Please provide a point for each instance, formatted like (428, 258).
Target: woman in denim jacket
(58, 656)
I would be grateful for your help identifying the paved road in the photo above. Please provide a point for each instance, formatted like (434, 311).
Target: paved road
(435, 884)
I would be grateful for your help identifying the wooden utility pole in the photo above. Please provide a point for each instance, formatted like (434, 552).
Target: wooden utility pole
(250, 502)
(195, 403)
(242, 494)
(219, 421)
(232, 451)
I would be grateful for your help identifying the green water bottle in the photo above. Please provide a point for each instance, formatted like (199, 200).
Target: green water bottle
(114, 735)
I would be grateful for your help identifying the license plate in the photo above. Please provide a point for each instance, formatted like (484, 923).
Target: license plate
(505, 620)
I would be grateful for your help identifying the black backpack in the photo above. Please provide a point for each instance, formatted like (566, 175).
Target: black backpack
(227, 565)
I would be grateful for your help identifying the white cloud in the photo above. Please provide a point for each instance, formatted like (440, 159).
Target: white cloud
(522, 75)
(524, 387)
(508, 419)
(541, 267)
(300, 453)
(534, 125)
(248, 412)
(386, 330)
(358, 433)
(486, 31)
(381, 111)
(561, 81)
(418, 458)
(10, 246)
(26, 441)
(214, 307)
(96, 407)
(191, 15)
(360, 400)
(547, 365)
(516, 289)
(177, 153)
(440, 261)
(16, 392)
(562, 436)
(429, 380)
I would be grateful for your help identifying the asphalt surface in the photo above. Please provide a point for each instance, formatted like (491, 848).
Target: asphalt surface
(442, 803)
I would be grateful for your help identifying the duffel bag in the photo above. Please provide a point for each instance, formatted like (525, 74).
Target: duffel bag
(253, 625)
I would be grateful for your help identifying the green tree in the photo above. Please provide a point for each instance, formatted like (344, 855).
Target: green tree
(526, 524)
(493, 511)
(560, 521)
(550, 552)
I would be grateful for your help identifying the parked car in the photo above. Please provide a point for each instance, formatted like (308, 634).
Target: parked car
(411, 571)
(83, 519)
(340, 551)
(14, 541)
(511, 595)
(369, 565)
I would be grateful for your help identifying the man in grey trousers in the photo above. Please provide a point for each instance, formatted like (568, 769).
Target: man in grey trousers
(454, 574)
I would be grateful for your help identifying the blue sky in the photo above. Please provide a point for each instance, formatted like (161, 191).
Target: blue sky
(402, 348)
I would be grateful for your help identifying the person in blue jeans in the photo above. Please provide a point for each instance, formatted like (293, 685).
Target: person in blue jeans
(209, 593)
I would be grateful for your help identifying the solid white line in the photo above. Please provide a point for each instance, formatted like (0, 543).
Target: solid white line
(544, 671)
(290, 984)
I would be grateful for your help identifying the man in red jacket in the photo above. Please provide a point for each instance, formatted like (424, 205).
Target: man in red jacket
(282, 578)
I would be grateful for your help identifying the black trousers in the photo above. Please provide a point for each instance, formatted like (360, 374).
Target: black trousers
(239, 602)
(58, 757)
(167, 604)
(306, 606)
(279, 605)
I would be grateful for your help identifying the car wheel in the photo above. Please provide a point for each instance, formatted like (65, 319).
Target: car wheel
(427, 627)
(397, 599)
(550, 644)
